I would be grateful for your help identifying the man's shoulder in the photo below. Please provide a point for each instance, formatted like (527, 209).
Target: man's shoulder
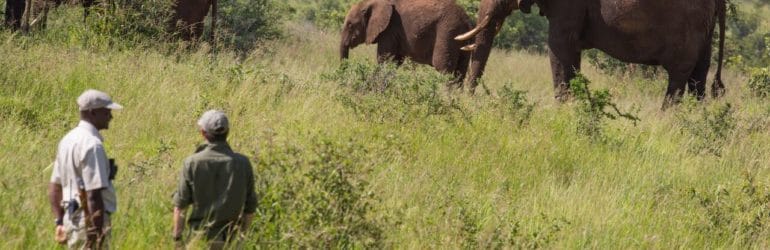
(77, 136)
(240, 157)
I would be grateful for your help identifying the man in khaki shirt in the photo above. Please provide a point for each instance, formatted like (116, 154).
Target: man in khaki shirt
(218, 183)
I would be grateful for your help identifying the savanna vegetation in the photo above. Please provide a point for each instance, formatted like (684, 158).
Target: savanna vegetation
(358, 155)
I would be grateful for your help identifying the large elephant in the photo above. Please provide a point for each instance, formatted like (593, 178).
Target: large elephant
(675, 34)
(187, 20)
(422, 30)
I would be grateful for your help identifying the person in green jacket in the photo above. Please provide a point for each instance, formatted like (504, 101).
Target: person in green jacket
(218, 183)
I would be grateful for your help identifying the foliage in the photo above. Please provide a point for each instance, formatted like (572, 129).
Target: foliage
(591, 108)
(317, 196)
(709, 128)
(524, 32)
(326, 14)
(247, 22)
(517, 232)
(384, 92)
(515, 105)
(747, 45)
(130, 21)
(739, 213)
(759, 83)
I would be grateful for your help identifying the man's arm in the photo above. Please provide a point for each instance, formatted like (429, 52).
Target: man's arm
(54, 198)
(251, 198)
(182, 199)
(178, 223)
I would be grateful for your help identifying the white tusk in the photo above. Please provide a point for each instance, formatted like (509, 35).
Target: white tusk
(471, 47)
(474, 31)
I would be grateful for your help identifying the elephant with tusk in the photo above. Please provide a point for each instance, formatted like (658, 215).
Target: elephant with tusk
(675, 34)
(422, 30)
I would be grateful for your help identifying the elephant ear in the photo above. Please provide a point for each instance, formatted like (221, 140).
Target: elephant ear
(379, 19)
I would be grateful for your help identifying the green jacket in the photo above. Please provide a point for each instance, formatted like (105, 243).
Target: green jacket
(219, 184)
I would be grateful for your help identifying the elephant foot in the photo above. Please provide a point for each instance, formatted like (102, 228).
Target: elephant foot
(563, 95)
(669, 102)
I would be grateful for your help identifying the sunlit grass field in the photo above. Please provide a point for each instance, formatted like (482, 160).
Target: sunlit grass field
(469, 175)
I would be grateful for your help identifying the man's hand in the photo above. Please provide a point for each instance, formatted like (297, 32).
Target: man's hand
(61, 235)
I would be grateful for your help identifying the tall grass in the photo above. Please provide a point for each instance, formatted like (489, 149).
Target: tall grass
(487, 173)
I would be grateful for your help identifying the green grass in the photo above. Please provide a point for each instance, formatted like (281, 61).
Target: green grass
(449, 180)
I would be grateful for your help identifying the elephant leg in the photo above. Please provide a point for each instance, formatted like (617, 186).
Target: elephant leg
(565, 62)
(676, 88)
(696, 84)
(461, 69)
(399, 59)
(446, 62)
(197, 30)
(387, 51)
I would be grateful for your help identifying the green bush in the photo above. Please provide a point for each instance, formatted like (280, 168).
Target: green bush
(747, 45)
(246, 22)
(740, 214)
(514, 105)
(316, 196)
(326, 14)
(591, 114)
(385, 92)
(709, 128)
(524, 32)
(759, 83)
(130, 22)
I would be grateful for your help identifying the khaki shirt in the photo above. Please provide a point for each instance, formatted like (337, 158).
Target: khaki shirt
(219, 184)
(82, 162)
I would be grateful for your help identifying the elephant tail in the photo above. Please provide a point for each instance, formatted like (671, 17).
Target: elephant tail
(718, 89)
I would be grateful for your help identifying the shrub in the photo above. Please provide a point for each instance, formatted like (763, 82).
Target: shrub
(514, 105)
(326, 14)
(316, 196)
(759, 83)
(130, 22)
(709, 128)
(591, 114)
(384, 92)
(738, 213)
(246, 22)
(747, 46)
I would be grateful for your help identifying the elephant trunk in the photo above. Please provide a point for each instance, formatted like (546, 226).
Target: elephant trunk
(344, 51)
(481, 50)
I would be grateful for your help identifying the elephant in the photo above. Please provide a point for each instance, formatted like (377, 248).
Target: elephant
(422, 30)
(15, 17)
(675, 34)
(14, 10)
(187, 20)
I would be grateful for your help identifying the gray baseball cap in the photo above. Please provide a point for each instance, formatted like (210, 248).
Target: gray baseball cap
(214, 122)
(94, 99)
